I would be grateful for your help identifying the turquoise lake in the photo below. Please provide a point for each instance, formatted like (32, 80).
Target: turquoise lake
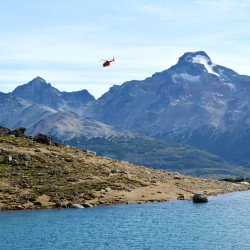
(222, 223)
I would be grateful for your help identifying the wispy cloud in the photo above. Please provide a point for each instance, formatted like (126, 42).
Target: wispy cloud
(63, 41)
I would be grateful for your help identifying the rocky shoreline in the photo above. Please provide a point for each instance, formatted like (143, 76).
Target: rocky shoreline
(41, 175)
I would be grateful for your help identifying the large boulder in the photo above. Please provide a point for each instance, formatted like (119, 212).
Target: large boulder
(244, 183)
(199, 197)
(87, 205)
(42, 138)
(76, 206)
(18, 132)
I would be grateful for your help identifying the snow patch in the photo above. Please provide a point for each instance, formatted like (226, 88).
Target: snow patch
(230, 85)
(174, 102)
(189, 77)
(204, 60)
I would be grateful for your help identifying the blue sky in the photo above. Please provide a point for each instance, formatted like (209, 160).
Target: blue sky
(63, 41)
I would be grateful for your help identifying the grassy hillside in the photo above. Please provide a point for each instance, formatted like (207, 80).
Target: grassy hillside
(161, 155)
(36, 175)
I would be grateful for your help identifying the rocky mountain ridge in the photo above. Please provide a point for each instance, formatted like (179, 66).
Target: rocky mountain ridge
(39, 91)
(36, 117)
(192, 93)
(76, 130)
(195, 101)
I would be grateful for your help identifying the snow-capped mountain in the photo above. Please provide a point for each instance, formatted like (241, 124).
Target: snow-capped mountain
(195, 101)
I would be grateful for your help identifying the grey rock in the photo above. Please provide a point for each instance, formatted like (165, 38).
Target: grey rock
(75, 193)
(4, 131)
(199, 197)
(25, 157)
(41, 174)
(104, 168)
(18, 132)
(87, 205)
(58, 204)
(244, 183)
(76, 206)
(42, 138)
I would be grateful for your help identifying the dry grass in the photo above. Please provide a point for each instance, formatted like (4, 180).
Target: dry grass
(34, 175)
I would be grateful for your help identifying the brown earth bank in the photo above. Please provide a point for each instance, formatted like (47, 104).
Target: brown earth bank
(35, 175)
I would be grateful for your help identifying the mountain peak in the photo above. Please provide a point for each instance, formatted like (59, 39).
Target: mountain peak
(39, 91)
(194, 63)
(195, 57)
(38, 80)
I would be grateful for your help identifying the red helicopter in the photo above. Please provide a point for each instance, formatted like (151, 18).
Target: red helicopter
(107, 62)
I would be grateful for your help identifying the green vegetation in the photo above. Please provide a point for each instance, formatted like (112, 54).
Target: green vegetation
(159, 154)
(234, 146)
(236, 180)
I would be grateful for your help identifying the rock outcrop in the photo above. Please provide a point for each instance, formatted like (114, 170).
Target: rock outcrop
(76, 206)
(42, 138)
(4, 131)
(18, 132)
(87, 205)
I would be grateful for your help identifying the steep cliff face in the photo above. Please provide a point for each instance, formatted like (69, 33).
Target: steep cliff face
(41, 92)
